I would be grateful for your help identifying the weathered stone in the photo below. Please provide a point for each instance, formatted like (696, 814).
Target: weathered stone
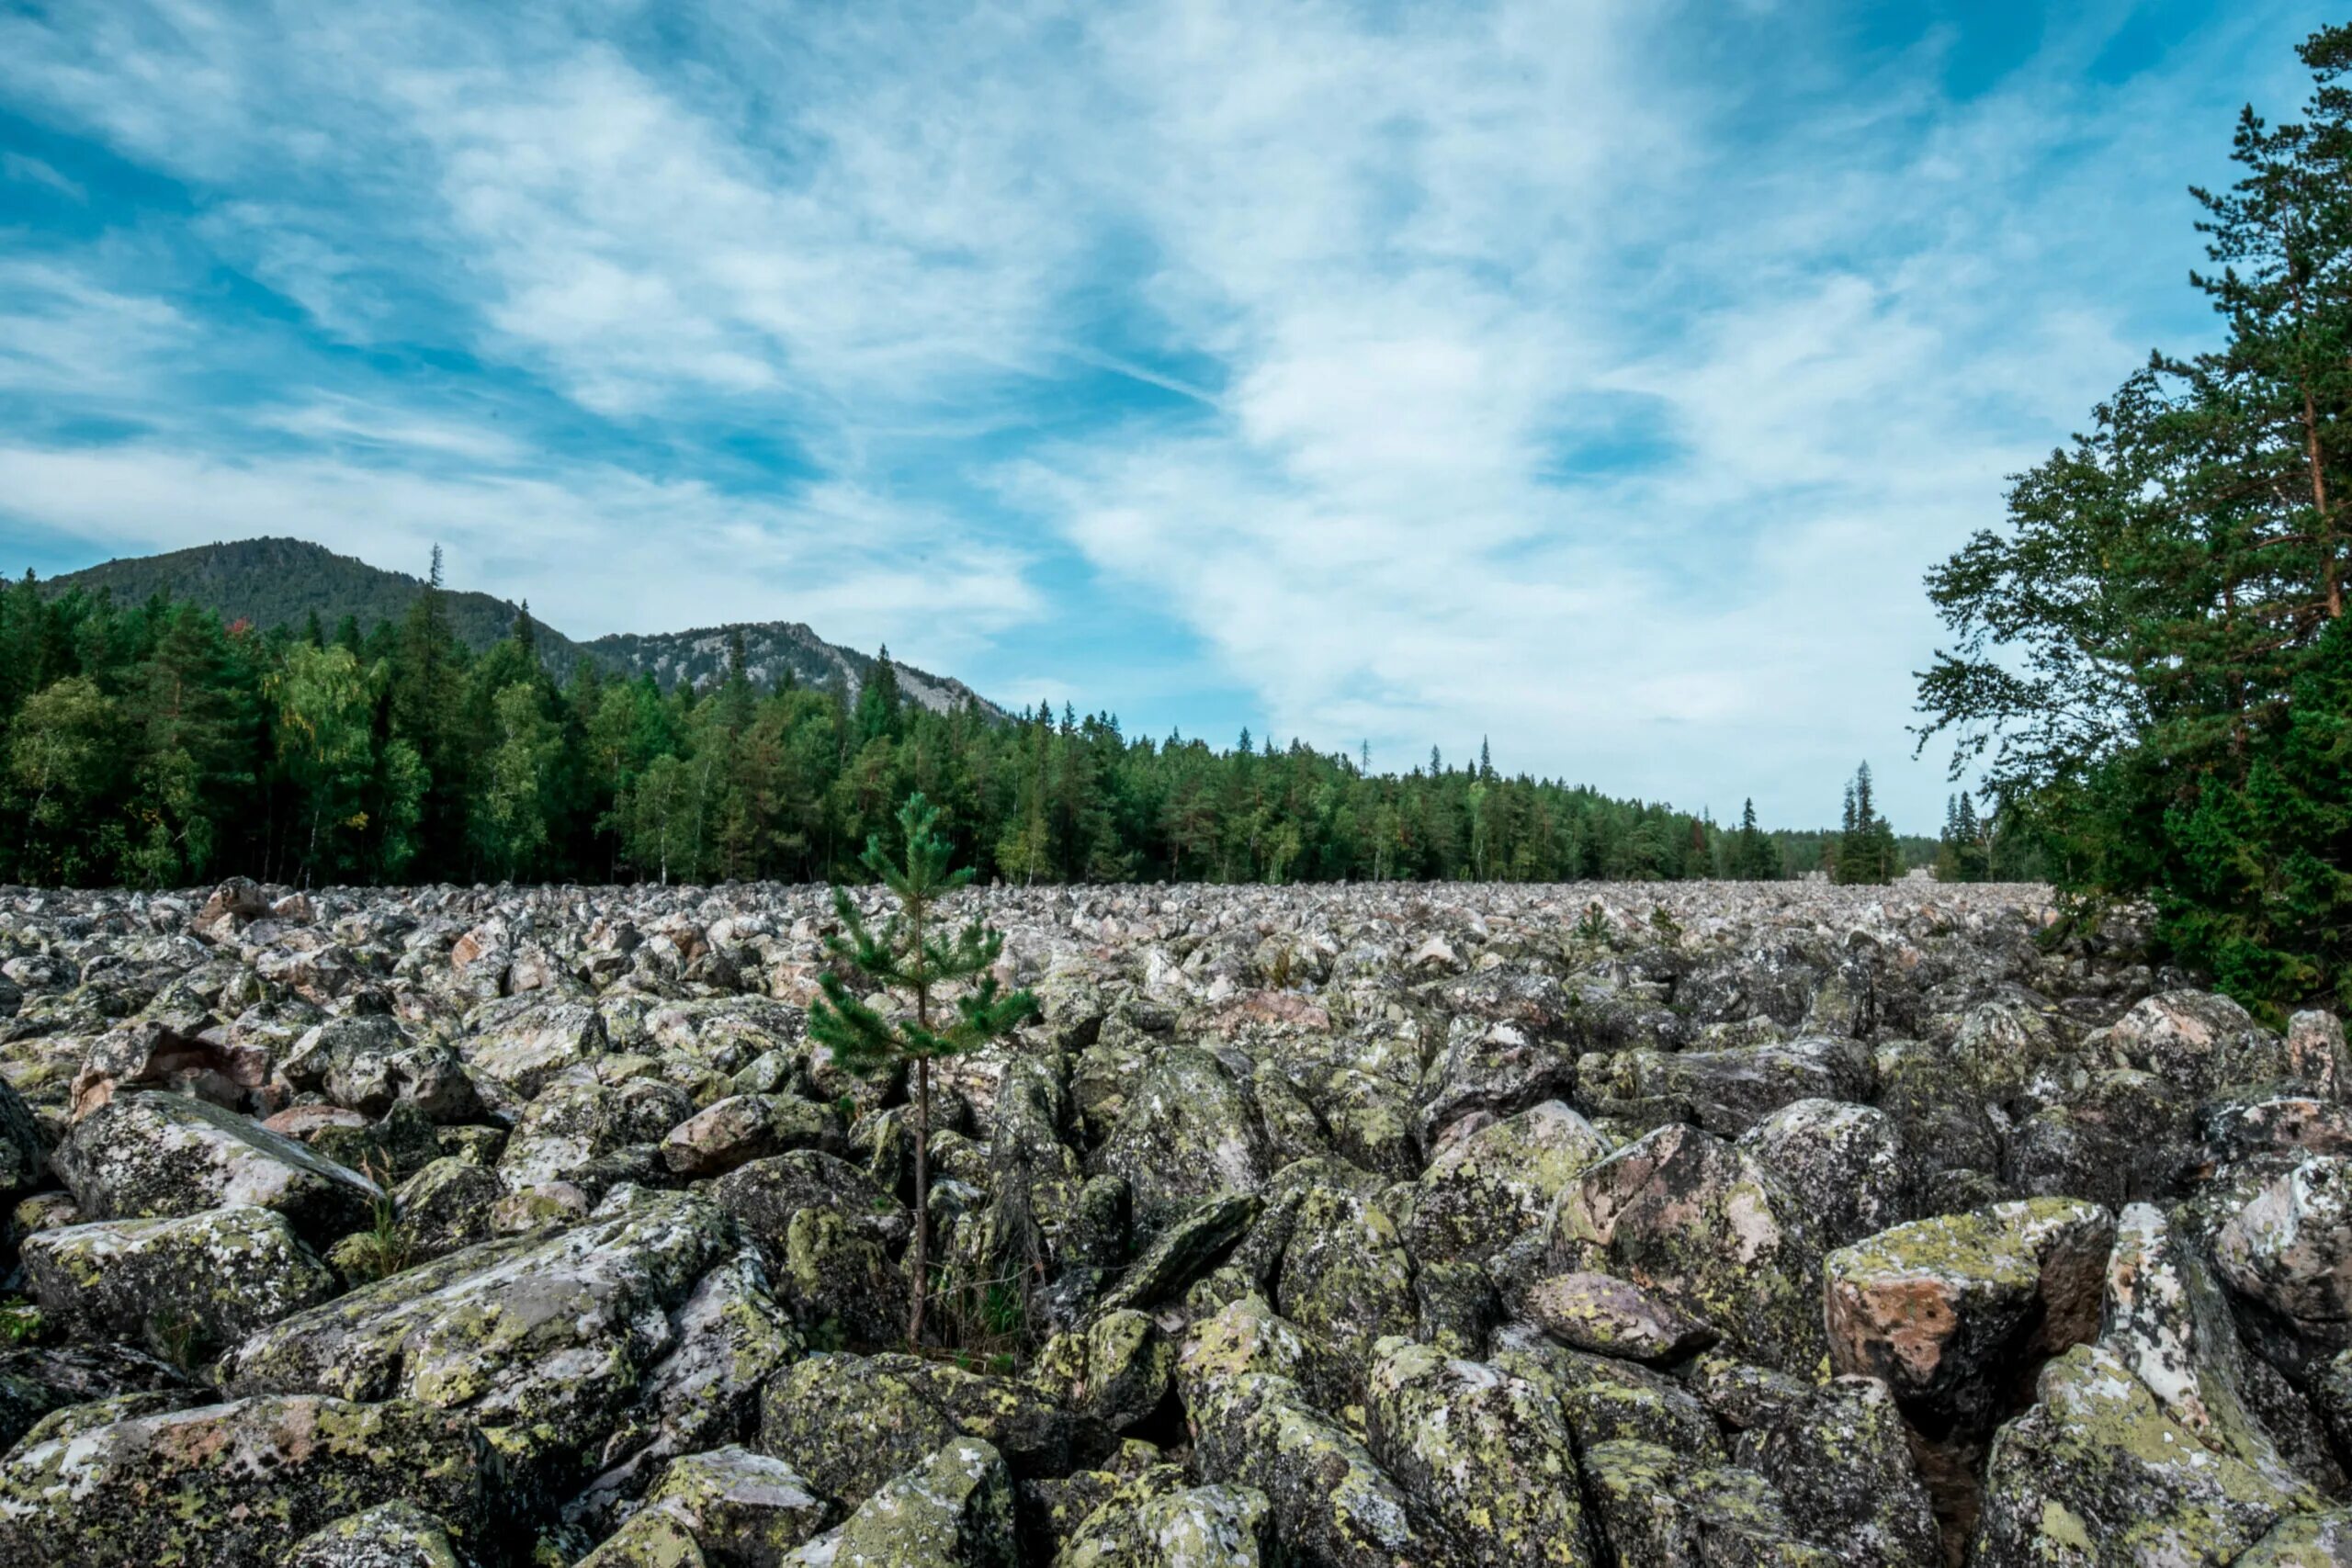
(147, 1154)
(1949, 1312)
(1685, 1213)
(953, 1510)
(743, 1128)
(2096, 1473)
(1483, 1190)
(547, 1337)
(187, 1288)
(1187, 1135)
(2289, 1248)
(1613, 1318)
(1844, 1162)
(244, 1482)
(390, 1535)
(1486, 1455)
(1842, 1465)
(741, 1509)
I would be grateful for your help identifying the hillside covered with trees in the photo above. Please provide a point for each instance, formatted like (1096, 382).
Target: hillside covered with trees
(154, 744)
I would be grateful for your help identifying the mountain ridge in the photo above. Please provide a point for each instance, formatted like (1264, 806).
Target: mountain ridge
(276, 580)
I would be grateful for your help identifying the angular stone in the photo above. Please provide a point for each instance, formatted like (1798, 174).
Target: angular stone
(1485, 1454)
(147, 1154)
(1947, 1312)
(1844, 1162)
(548, 1337)
(237, 1483)
(2096, 1473)
(187, 1288)
(1613, 1318)
(390, 1535)
(1684, 1212)
(742, 1128)
(1483, 1190)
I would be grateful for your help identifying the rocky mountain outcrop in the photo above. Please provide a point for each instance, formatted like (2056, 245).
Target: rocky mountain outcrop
(1348, 1227)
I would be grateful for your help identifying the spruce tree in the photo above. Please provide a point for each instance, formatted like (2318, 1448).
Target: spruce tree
(911, 954)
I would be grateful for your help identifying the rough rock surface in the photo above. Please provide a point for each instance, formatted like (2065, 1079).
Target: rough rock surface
(1364, 1227)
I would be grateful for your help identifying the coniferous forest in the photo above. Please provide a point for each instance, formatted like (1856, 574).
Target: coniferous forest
(153, 745)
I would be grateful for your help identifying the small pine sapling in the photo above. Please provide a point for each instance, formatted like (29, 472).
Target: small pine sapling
(914, 953)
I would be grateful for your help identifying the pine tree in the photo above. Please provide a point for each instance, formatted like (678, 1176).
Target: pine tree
(910, 954)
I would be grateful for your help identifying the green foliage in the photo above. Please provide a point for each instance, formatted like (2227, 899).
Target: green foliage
(153, 745)
(2149, 660)
(1866, 851)
(914, 954)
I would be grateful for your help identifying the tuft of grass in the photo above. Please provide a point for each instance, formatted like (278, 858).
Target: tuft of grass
(385, 1248)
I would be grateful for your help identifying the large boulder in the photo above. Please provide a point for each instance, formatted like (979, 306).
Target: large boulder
(524, 1047)
(953, 1509)
(742, 1128)
(1949, 1313)
(2289, 1248)
(240, 1483)
(2096, 1473)
(1333, 1504)
(367, 1062)
(1484, 1189)
(1188, 1135)
(189, 1288)
(1484, 1454)
(390, 1535)
(1684, 1213)
(553, 1340)
(148, 1154)
(1844, 1162)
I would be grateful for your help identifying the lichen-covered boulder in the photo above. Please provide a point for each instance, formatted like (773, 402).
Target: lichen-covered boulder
(190, 1287)
(741, 1509)
(1486, 1455)
(547, 1337)
(1730, 1090)
(1606, 1399)
(1658, 1508)
(2289, 1248)
(1497, 1066)
(849, 1423)
(390, 1535)
(1173, 1526)
(1839, 1457)
(2168, 1319)
(148, 1154)
(35, 1381)
(1185, 1248)
(1333, 1503)
(2316, 1054)
(1345, 1273)
(1684, 1212)
(839, 1282)
(1116, 1373)
(1248, 1335)
(726, 1340)
(1188, 1135)
(2197, 1040)
(2096, 1473)
(447, 1205)
(1613, 1318)
(1484, 1189)
(524, 1044)
(745, 1127)
(367, 1062)
(22, 1158)
(1845, 1163)
(765, 1194)
(953, 1509)
(244, 1482)
(1948, 1311)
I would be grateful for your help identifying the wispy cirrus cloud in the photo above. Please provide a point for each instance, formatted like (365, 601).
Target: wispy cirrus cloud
(1599, 376)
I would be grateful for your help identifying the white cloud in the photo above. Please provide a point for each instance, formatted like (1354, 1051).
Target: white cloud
(1413, 272)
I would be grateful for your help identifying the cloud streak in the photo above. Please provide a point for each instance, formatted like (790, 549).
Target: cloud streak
(1598, 376)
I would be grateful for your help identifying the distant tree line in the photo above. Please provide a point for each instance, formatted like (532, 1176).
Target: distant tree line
(151, 745)
(2150, 662)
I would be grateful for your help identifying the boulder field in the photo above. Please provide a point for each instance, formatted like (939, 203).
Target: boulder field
(1394, 1226)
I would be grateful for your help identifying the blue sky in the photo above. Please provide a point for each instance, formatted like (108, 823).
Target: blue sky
(1597, 376)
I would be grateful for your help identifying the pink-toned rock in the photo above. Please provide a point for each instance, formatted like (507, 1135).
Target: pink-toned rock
(1951, 1312)
(303, 1121)
(155, 1055)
